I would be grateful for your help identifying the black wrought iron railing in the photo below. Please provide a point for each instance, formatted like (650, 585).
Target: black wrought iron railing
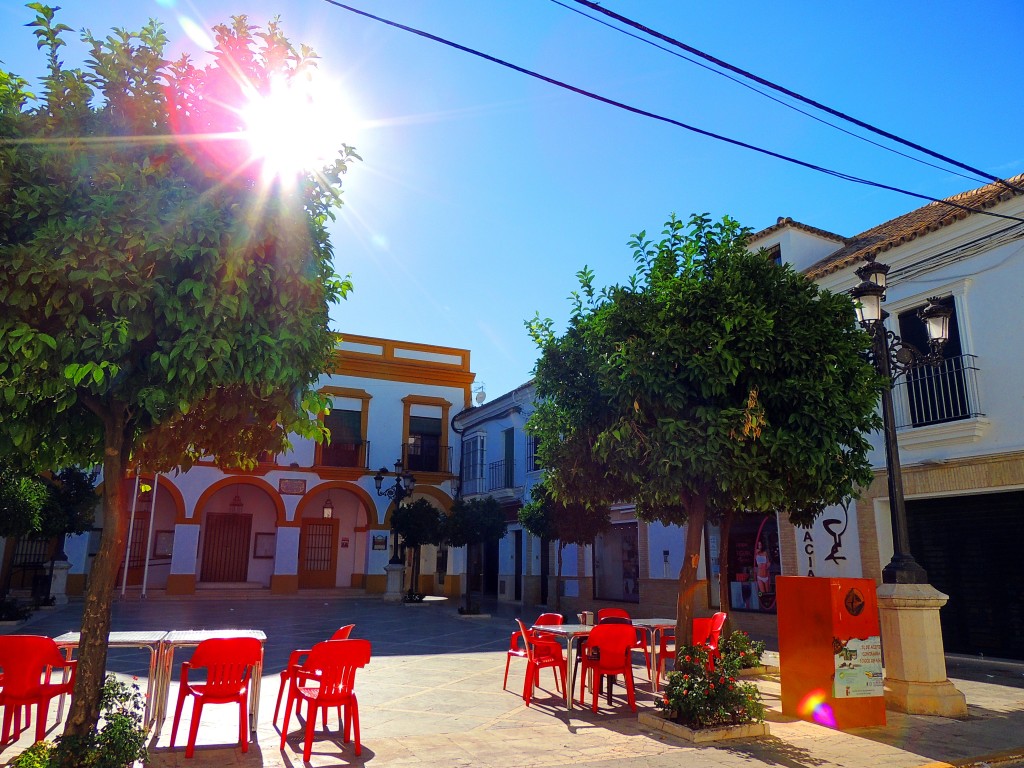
(500, 475)
(420, 457)
(356, 455)
(938, 395)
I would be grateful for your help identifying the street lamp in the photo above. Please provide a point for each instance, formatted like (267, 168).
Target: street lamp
(404, 485)
(892, 358)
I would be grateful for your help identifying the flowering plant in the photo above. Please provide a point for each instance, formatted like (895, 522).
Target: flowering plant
(747, 652)
(699, 697)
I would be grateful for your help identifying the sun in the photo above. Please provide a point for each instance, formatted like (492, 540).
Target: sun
(297, 126)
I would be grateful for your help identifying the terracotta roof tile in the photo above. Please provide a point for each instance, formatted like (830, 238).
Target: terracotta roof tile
(912, 225)
(785, 221)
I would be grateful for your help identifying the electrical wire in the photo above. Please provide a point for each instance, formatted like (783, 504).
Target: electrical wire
(669, 120)
(974, 179)
(792, 94)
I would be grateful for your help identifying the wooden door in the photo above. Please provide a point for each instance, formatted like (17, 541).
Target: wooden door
(318, 553)
(226, 547)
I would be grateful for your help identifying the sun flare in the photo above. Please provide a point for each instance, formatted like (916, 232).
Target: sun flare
(297, 127)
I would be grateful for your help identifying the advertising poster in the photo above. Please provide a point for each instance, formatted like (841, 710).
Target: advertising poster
(858, 668)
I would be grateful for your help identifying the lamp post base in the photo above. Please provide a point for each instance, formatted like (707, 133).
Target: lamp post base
(395, 583)
(915, 665)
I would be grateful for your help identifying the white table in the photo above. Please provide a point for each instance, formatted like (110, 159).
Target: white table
(571, 633)
(655, 628)
(190, 638)
(69, 641)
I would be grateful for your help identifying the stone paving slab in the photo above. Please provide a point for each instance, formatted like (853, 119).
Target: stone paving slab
(432, 696)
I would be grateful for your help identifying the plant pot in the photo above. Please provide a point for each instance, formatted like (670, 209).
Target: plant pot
(658, 722)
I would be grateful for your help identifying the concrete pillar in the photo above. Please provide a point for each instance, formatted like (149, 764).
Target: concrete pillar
(915, 664)
(396, 582)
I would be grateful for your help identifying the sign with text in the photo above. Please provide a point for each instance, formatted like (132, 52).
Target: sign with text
(858, 668)
(291, 486)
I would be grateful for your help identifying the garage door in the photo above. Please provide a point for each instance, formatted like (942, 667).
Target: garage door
(971, 547)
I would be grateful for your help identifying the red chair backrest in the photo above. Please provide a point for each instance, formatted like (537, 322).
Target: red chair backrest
(611, 644)
(227, 660)
(619, 613)
(550, 618)
(23, 659)
(717, 622)
(334, 663)
(342, 633)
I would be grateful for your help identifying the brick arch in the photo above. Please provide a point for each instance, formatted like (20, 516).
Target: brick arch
(341, 485)
(164, 484)
(256, 482)
(426, 490)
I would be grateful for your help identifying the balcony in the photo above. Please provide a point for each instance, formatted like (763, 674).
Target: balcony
(418, 456)
(350, 455)
(501, 475)
(939, 406)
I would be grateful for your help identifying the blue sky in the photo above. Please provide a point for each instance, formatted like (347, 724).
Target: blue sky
(483, 191)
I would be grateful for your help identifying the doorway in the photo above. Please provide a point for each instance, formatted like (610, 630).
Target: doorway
(226, 547)
(318, 553)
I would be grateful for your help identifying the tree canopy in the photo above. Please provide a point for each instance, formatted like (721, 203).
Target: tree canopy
(157, 309)
(46, 506)
(714, 381)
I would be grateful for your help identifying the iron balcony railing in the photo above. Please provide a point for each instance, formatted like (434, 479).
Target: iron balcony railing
(501, 475)
(424, 457)
(936, 395)
(355, 455)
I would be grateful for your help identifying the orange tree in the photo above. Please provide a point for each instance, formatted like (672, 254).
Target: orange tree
(568, 523)
(154, 309)
(714, 381)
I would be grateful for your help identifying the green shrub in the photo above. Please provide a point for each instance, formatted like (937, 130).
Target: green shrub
(701, 698)
(119, 742)
(12, 610)
(740, 647)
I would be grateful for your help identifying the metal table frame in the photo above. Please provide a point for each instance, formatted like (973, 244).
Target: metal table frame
(655, 628)
(190, 638)
(571, 633)
(153, 641)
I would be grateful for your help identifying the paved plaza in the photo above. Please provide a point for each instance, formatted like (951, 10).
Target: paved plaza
(432, 696)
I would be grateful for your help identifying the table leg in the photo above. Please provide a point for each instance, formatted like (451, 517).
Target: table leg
(254, 700)
(570, 659)
(655, 635)
(163, 688)
(68, 653)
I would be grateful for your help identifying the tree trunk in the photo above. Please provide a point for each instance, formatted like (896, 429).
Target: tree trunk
(697, 513)
(92, 649)
(723, 566)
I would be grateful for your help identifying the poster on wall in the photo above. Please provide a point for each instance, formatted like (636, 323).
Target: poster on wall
(754, 563)
(858, 668)
(830, 547)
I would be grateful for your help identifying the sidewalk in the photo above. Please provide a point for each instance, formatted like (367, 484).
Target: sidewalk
(432, 696)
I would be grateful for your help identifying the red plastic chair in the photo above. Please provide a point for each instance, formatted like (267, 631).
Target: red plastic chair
(641, 636)
(229, 662)
(706, 632)
(517, 649)
(540, 654)
(332, 665)
(295, 661)
(609, 651)
(27, 661)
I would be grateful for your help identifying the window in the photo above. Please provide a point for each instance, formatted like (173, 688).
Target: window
(935, 395)
(473, 464)
(532, 459)
(423, 452)
(346, 438)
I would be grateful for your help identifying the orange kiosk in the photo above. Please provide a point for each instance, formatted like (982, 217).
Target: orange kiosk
(830, 651)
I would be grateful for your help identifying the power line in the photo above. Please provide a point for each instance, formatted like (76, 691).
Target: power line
(669, 120)
(774, 86)
(756, 90)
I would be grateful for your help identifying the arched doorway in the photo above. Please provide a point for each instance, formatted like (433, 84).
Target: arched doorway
(236, 518)
(328, 546)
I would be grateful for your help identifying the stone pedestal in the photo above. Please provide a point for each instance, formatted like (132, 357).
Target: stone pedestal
(396, 582)
(915, 666)
(59, 583)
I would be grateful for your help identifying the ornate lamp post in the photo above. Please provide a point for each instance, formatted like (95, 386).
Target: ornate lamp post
(916, 679)
(403, 487)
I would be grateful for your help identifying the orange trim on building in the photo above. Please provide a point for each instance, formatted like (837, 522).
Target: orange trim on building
(256, 482)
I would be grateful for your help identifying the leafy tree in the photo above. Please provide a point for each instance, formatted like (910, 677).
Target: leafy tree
(156, 308)
(418, 523)
(568, 523)
(471, 524)
(714, 381)
(44, 507)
